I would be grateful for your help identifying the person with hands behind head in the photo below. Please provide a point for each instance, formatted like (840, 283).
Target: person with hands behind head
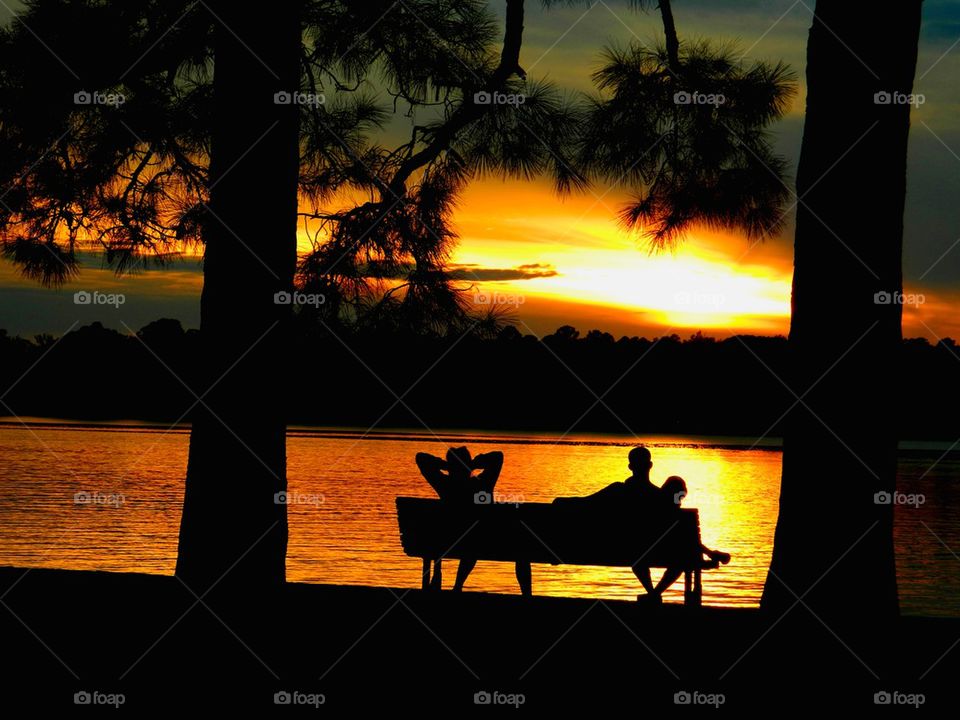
(454, 481)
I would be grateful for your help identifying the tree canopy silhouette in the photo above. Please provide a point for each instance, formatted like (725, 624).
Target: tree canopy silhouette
(130, 177)
(685, 126)
(705, 385)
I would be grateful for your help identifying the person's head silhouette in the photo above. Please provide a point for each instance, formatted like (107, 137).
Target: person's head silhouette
(459, 462)
(639, 462)
(675, 489)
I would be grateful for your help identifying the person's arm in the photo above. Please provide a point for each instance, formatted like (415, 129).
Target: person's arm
(607, 493)
(490, 464)
(431, 467)
(610, 492)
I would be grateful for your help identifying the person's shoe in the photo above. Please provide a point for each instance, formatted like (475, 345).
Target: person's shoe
(650, 599)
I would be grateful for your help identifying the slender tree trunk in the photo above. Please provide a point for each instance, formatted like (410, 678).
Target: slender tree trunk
(670, 32)
(834, 540)
(233, 534)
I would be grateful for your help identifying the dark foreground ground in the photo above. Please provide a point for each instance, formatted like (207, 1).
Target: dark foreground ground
(146, 642)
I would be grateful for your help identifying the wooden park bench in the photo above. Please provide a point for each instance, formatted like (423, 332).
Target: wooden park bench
(568, 533)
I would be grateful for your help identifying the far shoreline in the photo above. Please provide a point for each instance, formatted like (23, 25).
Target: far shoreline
(474, 435)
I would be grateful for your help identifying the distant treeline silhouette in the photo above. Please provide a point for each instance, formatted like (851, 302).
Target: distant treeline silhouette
(561, 382)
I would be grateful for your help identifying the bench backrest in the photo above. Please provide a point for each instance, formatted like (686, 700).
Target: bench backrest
(568, 533)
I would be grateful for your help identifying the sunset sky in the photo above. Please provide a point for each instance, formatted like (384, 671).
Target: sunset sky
(569, 262)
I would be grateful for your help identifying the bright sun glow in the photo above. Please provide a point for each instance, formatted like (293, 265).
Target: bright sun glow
(708, 282)
(681, 290)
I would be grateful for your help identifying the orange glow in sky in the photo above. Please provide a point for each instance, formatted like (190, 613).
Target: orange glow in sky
(710, 281)
(605, 278)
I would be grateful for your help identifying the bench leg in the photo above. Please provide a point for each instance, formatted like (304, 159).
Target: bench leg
(692, 588)
(426, 574)
(524, 578)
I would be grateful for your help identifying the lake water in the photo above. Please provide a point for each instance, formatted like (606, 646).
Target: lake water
(344, 530)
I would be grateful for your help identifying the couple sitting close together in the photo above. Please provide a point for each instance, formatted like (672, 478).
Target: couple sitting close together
(454, 481)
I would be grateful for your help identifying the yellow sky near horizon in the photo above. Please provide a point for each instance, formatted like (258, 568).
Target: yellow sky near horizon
(717, 282)
(700, 285)
(602, 277)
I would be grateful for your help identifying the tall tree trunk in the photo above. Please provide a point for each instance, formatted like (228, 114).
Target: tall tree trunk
(233, 534)
(834, 540)
(670, 33)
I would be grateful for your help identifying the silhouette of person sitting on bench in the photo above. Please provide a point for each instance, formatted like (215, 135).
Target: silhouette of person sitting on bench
(673, 491)
(454, 482)
(640, 500)
(636, 495)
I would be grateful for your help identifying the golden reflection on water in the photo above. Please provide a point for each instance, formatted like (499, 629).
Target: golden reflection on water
(735, 490)
(343, 527)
